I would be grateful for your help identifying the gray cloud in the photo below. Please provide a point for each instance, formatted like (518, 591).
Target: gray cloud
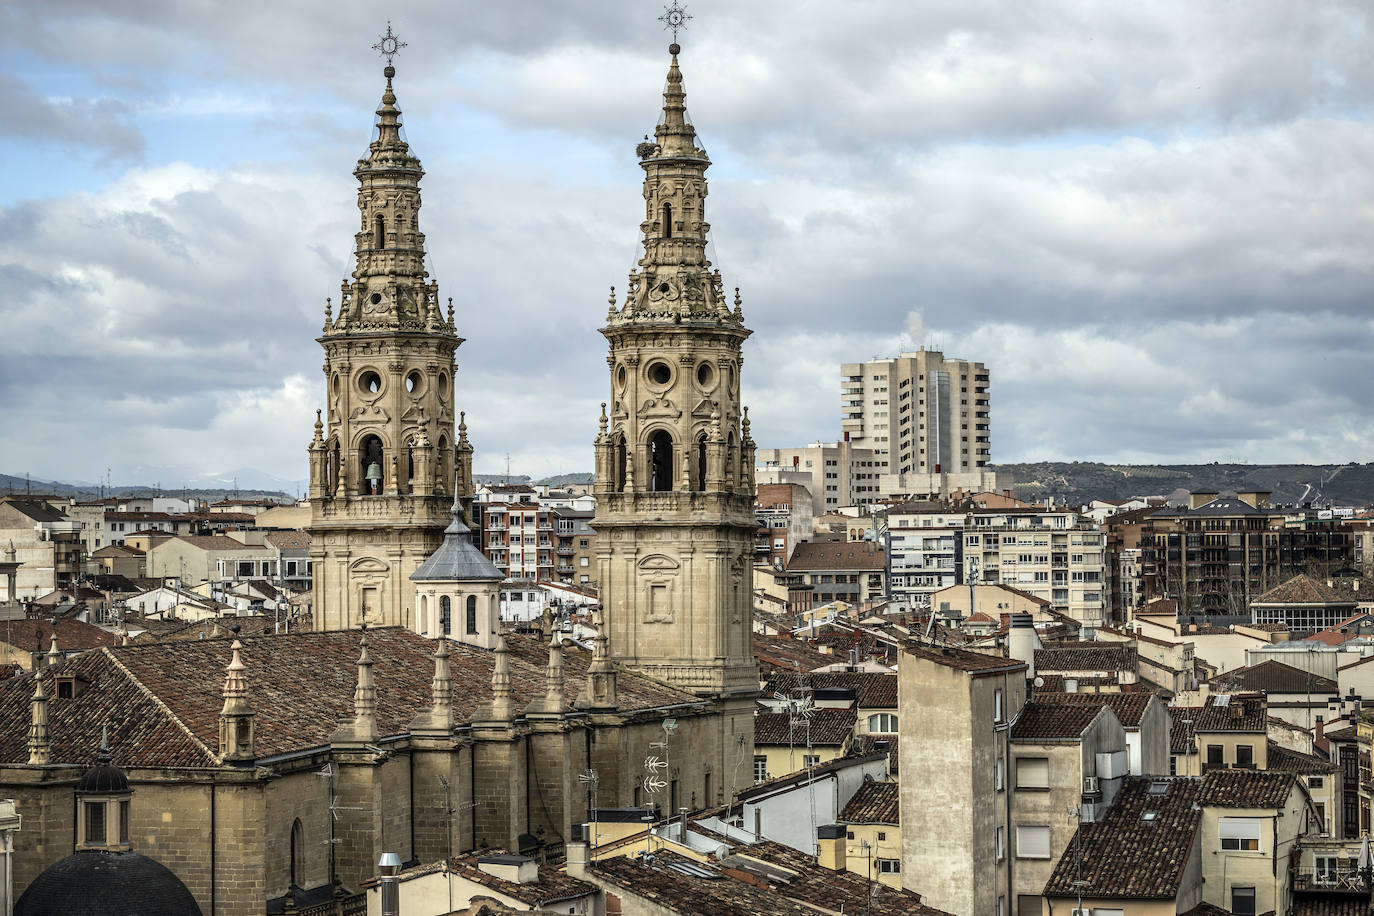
(101, 125)
(1146, 220)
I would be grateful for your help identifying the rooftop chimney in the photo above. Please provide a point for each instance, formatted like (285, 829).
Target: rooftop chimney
(1022, 641)
(830, 841)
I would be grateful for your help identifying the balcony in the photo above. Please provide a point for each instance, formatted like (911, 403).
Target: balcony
(565, 551)
(1333, 878)
(565, 570)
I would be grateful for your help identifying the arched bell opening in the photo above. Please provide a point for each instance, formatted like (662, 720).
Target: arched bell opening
(661, 461)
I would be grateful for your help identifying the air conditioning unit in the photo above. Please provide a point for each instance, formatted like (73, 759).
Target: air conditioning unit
(1090, 785)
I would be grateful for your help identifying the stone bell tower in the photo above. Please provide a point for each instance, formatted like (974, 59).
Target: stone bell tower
(674, 460)
(384, 469)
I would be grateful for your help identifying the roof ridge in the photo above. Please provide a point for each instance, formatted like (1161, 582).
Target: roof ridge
(157, 700)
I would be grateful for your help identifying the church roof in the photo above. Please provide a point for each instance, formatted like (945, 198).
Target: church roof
(457, 559)
(162, 700)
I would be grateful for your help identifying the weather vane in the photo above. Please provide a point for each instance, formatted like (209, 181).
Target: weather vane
(389, 45)
(674, 17)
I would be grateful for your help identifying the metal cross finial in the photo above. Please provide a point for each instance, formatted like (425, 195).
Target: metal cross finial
(388, 45)
(674, 17)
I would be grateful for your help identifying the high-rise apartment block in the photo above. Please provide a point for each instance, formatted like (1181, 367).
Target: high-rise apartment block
(919, 412)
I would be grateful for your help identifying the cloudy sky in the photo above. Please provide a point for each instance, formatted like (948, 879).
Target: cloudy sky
(1154, 222)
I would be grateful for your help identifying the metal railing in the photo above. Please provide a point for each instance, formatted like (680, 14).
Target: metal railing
(1347, 878)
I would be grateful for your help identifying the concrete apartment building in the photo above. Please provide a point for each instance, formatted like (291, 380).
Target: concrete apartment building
(1223, 552)
(919, 412)
(837, 473)
(1055, 554)
(1064, 756)
(47, 545)
(574, 546)
(840, 570)
(926, 418)
(926, 547)
(785, 519)
(955, 710)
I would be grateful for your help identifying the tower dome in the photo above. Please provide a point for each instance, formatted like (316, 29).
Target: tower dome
(103, 883)
(104, 877)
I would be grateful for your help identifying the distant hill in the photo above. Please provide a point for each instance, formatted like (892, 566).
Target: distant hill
(1075, 482)
(9, 483)
(562, 480)
(478, 479)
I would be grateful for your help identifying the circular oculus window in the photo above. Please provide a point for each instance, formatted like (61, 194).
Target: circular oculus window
(659, 373)
(370, 382)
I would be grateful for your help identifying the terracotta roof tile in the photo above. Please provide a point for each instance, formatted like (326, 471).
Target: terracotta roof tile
(162, 700)
(872, 689)
(31, 635)
(835, 891)
(1286, 760)
(1272, 677)
(783, 653)
(976, 663)
(1053, 721)
(810, 555)
(1236, 713)
(288, 540)
(874, 803)
(1127, 855)
(1085, 656)
(659, 882)
(829, 727)
(1246, 789)
(1182, 736)
(1129, 707)
(1303, 589)
(552, 885)
(1325, 904)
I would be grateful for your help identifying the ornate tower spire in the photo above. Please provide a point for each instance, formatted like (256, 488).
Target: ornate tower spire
(551, 703)
(40, 742)
(437, 721)
(501, 708)
(383, 460)
(236, 716)
(675, 500)
(600, 690)
(363, 728)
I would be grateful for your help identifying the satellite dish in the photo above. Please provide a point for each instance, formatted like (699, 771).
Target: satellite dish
(1039, 681)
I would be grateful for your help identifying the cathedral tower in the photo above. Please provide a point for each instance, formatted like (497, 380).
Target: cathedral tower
(384, 470)
(674, 461)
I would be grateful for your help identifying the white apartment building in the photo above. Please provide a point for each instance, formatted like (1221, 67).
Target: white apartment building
(920, 413)
(925, 550)
(1058, 555)
(837, 473)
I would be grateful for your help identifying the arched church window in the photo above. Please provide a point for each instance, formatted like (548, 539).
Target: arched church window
(445, 618)
(730, 469)
(618, 459)
(701, 462)
(410, 464)
(379, 232)
(297, 853)
(445, 486)
(472, 615)
(371, 461)
(667, 221)
(661, 461)
(424, 615)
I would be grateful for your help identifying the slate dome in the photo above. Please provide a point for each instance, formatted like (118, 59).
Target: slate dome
(101, 883)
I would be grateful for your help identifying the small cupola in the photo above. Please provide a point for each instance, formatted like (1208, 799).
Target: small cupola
(102, 804)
